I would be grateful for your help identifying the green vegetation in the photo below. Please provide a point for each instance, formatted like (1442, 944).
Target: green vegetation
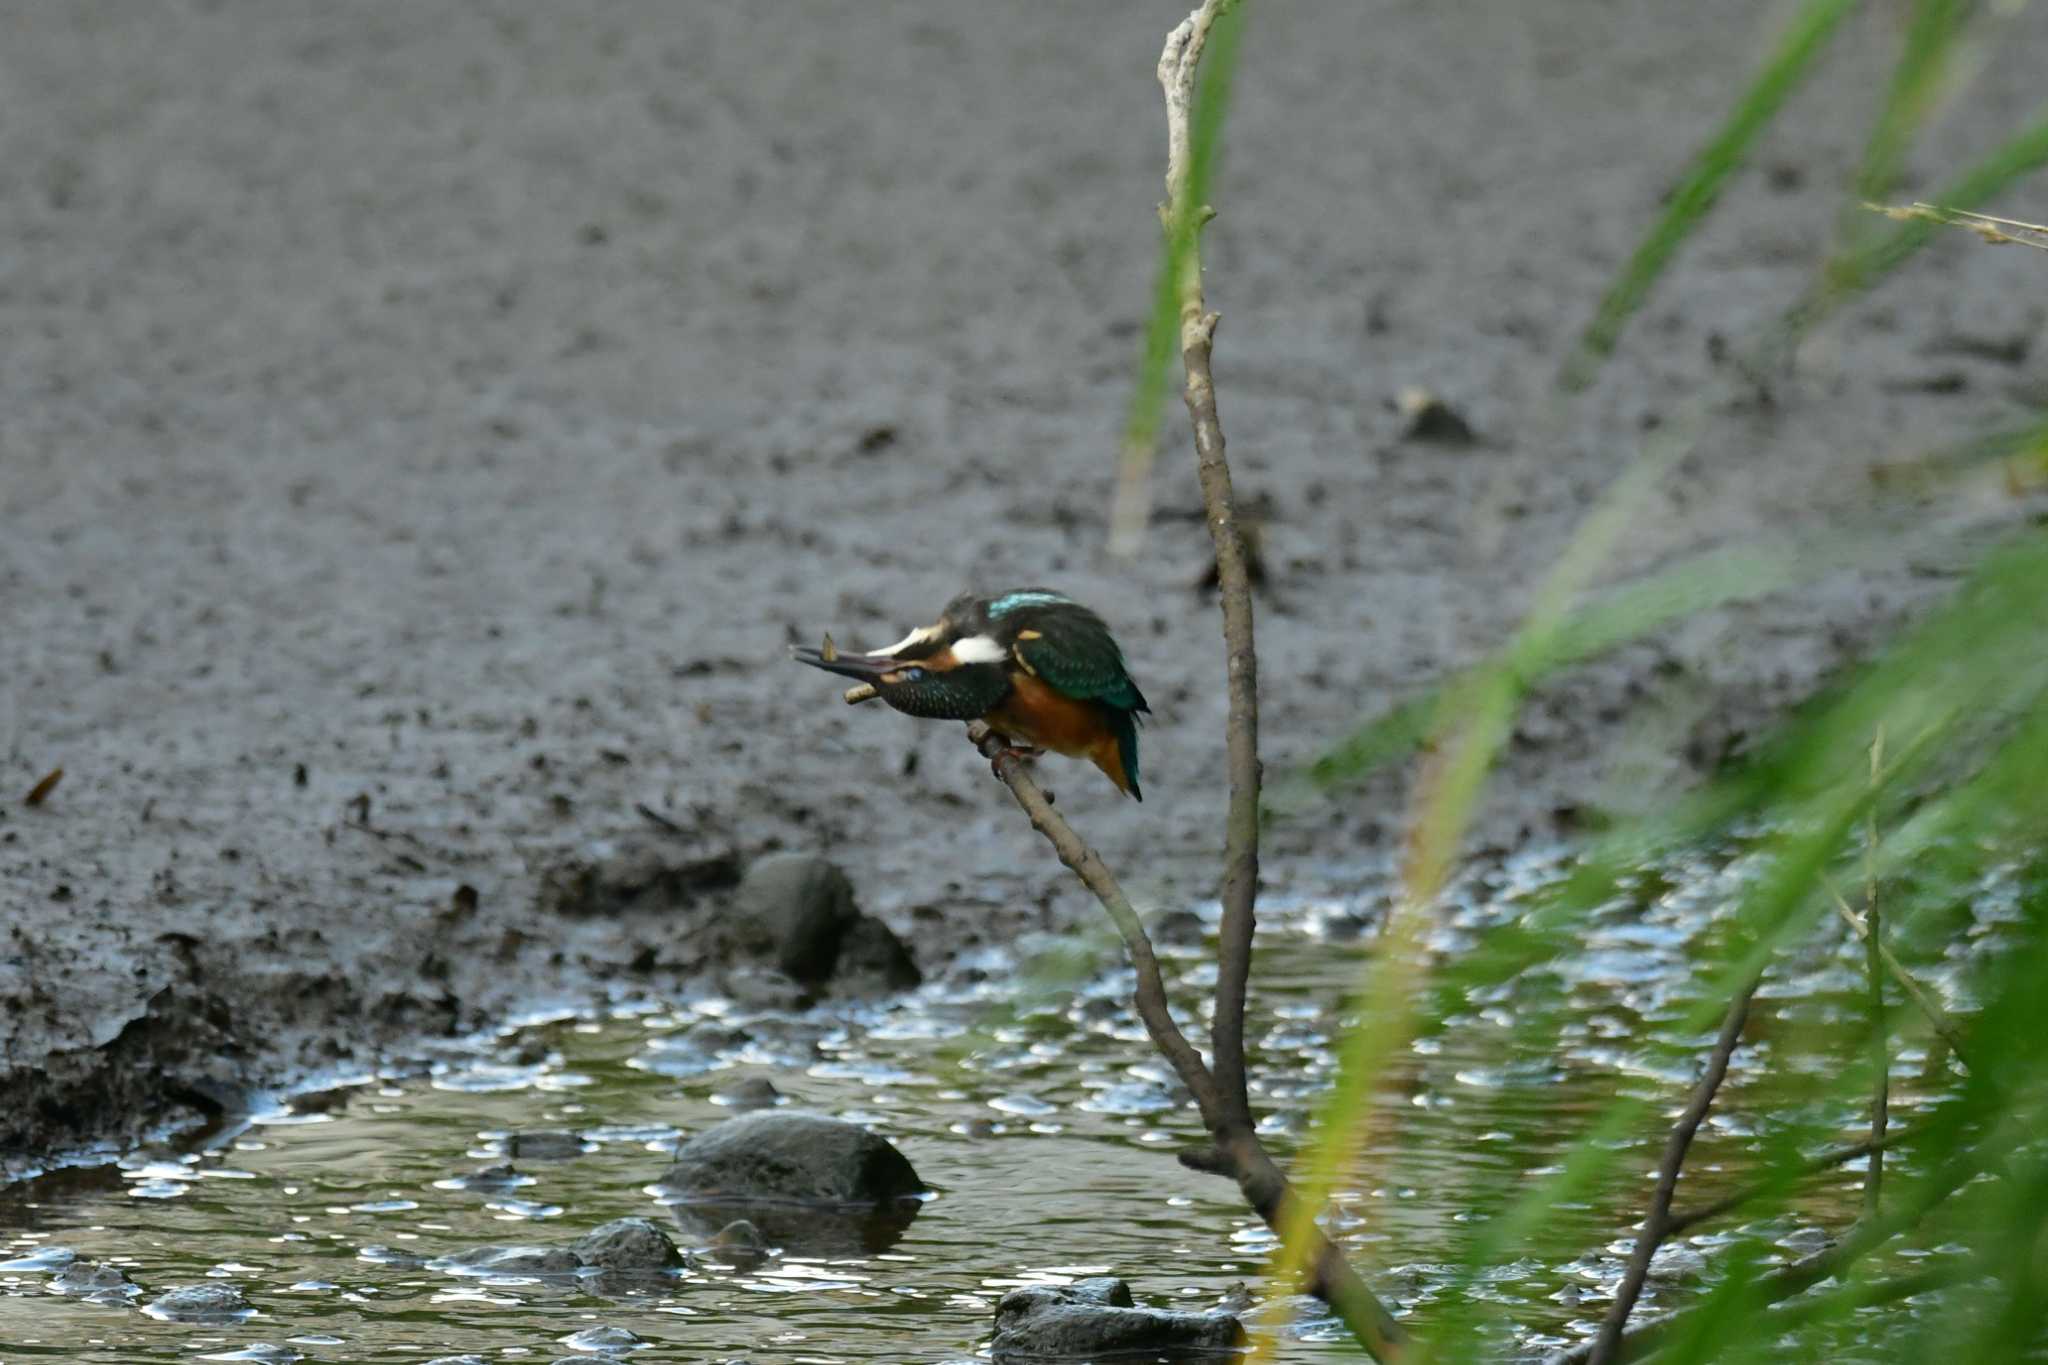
(1910, 797)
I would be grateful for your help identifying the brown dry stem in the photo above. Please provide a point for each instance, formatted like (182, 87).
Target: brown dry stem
(1237, 1152)
(1221, 1092)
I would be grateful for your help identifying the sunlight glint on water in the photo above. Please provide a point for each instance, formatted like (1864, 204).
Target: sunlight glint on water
(1037, 1110)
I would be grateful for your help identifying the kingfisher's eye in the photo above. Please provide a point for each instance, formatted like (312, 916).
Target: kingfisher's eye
(911, 674)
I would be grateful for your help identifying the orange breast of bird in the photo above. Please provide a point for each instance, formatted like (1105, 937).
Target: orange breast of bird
(1034, 713)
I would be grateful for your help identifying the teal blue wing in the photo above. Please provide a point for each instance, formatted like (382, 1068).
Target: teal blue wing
(1073, 651)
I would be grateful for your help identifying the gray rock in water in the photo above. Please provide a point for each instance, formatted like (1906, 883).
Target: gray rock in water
(546, 1145)
(753, 1092)
(791, 1158)
(458, 1360)
(738, 1235)
(604, 1340)
(807, 1183)
(736, 1246)
(101, 1283)
(42, 1258)
(627, 1246)
(207, 1304)
(795, 909)
(1096, 1318)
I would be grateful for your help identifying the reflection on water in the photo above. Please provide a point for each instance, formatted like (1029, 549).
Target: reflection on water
(1035, 1108)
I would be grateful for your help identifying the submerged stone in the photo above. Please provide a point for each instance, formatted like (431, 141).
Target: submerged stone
(209, 1304)
(791, 1158)
(755, 1092)
(98, 1283)
(627, 1246)
(604, 1339)
(1097, 1318)
(544, 1146)
(807, 1183)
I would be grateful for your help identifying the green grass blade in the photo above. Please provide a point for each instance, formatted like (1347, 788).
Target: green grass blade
(1797, 54)
(1143, 419)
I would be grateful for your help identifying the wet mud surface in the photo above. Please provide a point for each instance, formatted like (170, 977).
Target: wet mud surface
(422, 431)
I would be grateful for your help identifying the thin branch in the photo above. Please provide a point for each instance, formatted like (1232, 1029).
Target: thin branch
(1826, 1161)
(1087, 864)
(1238, 1152)
(1179, 64)
(1657, 1222)
(1938, 1018)
(1803, 1274)
(1221, 1093)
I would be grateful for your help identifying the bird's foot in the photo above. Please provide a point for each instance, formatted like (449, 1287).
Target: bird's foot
(1011, 753)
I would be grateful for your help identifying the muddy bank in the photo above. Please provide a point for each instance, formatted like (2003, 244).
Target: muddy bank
(422, 431)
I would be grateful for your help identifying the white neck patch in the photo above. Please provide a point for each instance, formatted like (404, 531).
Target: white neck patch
(979, 649)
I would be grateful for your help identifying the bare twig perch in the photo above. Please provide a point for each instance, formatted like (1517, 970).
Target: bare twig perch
(1219, 1088)
(1238, 1152)
(1178, 65)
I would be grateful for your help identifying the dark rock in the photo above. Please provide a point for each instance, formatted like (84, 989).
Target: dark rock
(796, 912)
(786, 1158)
(738, 1235)
(1096, 1318)
(738, 1245)
(1179, 928)
(544, 1146)
(1429, 418)
(807, 1182)
(503, 1176)
(627, 1246)
(765, 988)
(871, 957)
(754, 1092)
(795, 909)
(208, 1304)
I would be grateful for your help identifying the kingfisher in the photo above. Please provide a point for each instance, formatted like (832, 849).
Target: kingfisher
(1039, 668)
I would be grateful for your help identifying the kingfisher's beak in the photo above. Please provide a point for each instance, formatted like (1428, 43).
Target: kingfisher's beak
(866, 667)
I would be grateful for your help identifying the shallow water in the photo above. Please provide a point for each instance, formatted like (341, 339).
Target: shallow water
(1020, 1088)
